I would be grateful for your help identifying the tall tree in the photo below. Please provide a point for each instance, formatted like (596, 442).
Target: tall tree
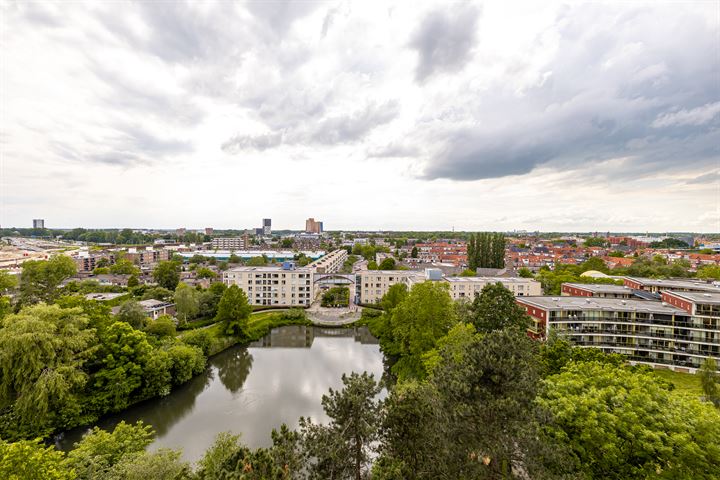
(342, 448)
(132, 313)
(42, 353)
(167, 274)
(186, 302)
(495, 309)
(40, 278)
(710, 381)
(234, 311)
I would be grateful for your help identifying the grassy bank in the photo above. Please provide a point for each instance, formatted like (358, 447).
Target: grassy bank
(684, 382)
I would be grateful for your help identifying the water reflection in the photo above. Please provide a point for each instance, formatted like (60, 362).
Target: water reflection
(252, 390)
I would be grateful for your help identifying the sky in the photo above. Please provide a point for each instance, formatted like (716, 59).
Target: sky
(567, 116)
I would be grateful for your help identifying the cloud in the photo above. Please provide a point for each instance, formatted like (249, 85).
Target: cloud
(333, 129)
(706, 178)
(444, 39)
(601, 97)
(695, 116)
(394, 150)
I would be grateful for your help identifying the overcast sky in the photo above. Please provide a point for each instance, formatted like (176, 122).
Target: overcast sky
(479, 116)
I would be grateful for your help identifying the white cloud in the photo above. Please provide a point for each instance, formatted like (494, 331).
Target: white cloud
(367, 115)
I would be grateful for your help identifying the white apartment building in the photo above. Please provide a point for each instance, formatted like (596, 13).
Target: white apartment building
(330, 263)
(273, 285)
(374, 284)
(467, 287)
(228, 243)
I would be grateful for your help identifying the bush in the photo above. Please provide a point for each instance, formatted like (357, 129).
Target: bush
(187, 361)
(164, 326)
(200, 339)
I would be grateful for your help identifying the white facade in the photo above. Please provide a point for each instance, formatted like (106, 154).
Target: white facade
(228, 243)
(330, 263)
(467, 287)
(273, 285)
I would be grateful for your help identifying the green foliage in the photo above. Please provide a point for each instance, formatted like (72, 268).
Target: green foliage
(233, 311)
(525, 272)
(42, 351)
(167, 274)
(372, 265)
(101, 271)
(341, 449)
(552, 280)
(132, 313)
(186, 302)
(32, 460)
(98, 451)
(486, 250)
(187, 361)
(657, 267)
(468, 273)
(395, 294)
(495, 309)
(257, 261)
(200, 339)
(595, 242)
(164, 326)
(414, 252)
(205, 272)
(669, 243)
(387, 264)
(163, 464)
(710, 381)
(336, 297)
(622, 424)
(415, 324)
(209, 299)
(616, 254)
(709, 272)
(40, 279)
(557, 353)
(124, 267)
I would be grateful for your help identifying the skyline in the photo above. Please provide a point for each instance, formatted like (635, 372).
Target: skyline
(589, 117)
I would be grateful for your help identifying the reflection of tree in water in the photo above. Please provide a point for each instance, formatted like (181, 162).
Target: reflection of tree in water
(233, 366)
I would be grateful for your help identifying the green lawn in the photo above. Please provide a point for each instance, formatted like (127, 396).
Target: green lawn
(684, 382)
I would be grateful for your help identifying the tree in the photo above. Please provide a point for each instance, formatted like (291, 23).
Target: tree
(593, 263)
(186, 361)
(234, 259)
(133, 281)
(205, 272)
(163, 464)
(426, 315)
(208, 300)
(7, 283)
(336, 297)
(257, 261)
(495, 309)
(487, 407)
(99, 450)
(395, 294)
(669, 243)
(710, 381)
(622, 424)
(486, 250)
(32, 460)
(166, 274)
(387, 264)
(414, 252)
(709, 272)
(234, 311)
(124, 267)
(468, 273)
(525, 272)
(595, 242)
(186, 302)
(40, 278)
(341, 449)
(42, 353)
(132, 313)
(162, 327)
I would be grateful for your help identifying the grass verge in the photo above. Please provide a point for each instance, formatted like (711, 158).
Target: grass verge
(684, 382)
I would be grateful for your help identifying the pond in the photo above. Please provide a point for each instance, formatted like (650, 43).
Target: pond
(251, 390)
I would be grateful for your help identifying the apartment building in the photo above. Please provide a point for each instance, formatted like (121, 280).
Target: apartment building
(313, 226)
(596, 290)
(85, 262)
(678, 332)
(374, 284)
(148, 256)
(657, 286)
(468, 287)
(443, 252)
(330, 263)
(273, 285)
(228, 243)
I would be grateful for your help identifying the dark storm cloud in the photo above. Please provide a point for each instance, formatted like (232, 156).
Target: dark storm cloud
(635, 92)
(330, 130)
(445, 39)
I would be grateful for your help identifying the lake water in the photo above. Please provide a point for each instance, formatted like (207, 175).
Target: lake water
(251, 390)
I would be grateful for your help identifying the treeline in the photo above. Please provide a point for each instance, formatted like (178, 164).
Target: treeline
(486, 250)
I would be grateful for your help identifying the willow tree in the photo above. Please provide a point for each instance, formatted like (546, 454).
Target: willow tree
(42, 352)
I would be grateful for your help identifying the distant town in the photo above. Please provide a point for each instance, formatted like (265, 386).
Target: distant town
(653, 298)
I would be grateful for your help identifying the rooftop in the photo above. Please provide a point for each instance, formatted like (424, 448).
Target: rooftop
(489, 279)
(601, 304)
(270, 268)
(706, 298)
(680, 284)
(600, 287)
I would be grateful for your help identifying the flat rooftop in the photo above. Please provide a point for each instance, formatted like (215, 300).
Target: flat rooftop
(600, 287)
(707, 298)
(680, 284)
(489, 279)
(601, 304)
(270, 269)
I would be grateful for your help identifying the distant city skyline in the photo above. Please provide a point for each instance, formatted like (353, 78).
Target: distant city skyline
(370, 116)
